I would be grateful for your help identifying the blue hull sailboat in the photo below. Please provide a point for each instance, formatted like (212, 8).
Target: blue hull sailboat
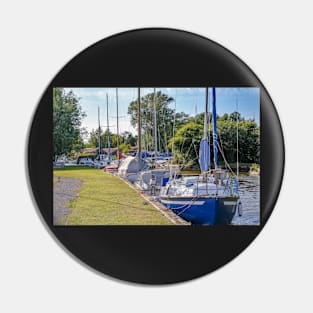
(200, 201)
(210, 198)
(204, 210)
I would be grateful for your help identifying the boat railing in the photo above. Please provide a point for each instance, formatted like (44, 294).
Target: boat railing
(222, 183)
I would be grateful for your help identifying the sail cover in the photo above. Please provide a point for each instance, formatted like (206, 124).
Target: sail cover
(204, 155)
(215, 144)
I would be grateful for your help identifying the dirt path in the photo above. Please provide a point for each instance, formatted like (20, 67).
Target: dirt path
(64, 191)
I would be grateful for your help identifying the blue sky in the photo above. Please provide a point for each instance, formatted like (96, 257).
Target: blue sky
(188, 100)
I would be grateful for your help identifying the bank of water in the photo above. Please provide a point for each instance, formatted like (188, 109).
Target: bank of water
(249, 190)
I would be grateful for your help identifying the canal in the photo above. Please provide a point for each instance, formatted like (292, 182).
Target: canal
(249, 190)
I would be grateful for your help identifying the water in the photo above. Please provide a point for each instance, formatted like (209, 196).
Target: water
(249, 190)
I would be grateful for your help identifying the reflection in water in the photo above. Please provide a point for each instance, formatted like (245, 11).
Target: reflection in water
(249, 190)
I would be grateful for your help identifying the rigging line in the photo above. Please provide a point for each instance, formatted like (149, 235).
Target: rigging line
(196, 150)
(187, 154)
(159, 138)
(193, 200)
(223, 155)
(237, 137)
(165, 135)
(220, 138)
(182, 145)
(164, 143)
(226, 163)
(174, 122)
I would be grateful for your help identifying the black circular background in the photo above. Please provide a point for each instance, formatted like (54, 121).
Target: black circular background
(155, 58)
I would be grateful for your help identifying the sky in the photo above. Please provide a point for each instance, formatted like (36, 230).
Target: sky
(188, 100)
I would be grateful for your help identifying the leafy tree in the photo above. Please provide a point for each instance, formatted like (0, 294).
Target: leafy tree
(67, 117)
(124, 147)
(114, 139)
(249, 142)
(128, 138)
(186, 144)
(188, 136)
(234, 116)
(93, 138)
(181, 118)
(164, 115)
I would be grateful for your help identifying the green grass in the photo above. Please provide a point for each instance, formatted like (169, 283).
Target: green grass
(55, 179)
(255, 168)
(106, 200)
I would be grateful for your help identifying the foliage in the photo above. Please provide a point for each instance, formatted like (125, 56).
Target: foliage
(186, 144)
(248, 138)
(164, 116)
(124, 147)
(187, 140)
(67, 117)
(255, 168)
(126, 138)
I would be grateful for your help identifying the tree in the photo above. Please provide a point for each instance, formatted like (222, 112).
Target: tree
(234, 116)
(67, 117)
(125, 138)
(124, 147)
(164, 115)
(186, 144)
(93, 141)
(188, 136)
(128, 138)
(181, 118)
(249, 140)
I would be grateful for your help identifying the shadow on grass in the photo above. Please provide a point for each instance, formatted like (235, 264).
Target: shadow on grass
(126, 204)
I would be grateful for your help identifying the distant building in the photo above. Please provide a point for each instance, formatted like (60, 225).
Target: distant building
(94, 151)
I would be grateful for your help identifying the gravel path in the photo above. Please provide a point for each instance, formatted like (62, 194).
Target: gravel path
(64, 191)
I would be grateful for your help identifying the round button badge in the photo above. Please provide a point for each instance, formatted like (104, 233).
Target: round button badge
(155, 156)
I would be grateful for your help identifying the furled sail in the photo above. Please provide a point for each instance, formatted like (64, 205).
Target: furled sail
(215, 144)
(204, 151)
(204, 155)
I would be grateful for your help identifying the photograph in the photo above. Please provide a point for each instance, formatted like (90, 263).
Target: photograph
(156, 156)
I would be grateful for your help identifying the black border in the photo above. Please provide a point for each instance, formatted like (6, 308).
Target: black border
(147, 58)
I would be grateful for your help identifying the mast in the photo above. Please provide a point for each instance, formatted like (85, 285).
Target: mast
(215, 144)
(174, 122)
(139, 126)
(155, 135)
(205, 126)
(209, 124)
(108, 129)
(99, 131)
(117, 126)
(204, 153)
(237, 137)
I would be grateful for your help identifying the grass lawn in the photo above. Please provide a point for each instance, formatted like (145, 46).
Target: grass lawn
(107, 200)
(55, 179)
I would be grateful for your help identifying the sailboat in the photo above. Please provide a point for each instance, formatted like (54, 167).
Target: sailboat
(103, 160)
(131, 166)
(153, 176)
(210, 198)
